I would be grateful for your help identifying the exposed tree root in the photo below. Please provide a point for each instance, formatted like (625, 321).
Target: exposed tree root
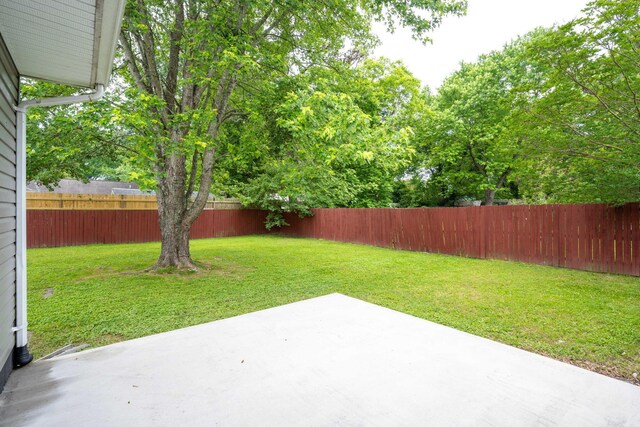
(180, 264)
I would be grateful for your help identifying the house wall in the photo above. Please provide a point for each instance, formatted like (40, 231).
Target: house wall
(8, 98)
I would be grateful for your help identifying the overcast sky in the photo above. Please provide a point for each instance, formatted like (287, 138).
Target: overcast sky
(488, 25)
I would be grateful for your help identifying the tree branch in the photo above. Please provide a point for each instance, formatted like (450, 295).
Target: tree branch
(192, 175)
(175, 40)
(602, 101)
(147, 41)
(132, 64)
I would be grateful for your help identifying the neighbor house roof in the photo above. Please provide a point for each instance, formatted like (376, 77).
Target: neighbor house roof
(72, 186)
(65, 41)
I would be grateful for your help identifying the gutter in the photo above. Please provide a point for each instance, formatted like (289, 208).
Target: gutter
(21, 355)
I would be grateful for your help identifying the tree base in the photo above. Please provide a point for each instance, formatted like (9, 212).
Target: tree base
(174, 263)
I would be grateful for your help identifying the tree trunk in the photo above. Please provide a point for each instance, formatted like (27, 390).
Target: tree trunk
(175, 224)
(175, 247)
(489, 196)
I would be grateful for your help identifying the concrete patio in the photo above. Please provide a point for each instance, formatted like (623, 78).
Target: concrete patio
(332, 360)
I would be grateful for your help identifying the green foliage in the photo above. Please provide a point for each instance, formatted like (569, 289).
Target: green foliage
(337, 140)
(245, 46)
(424, 187)
(552, 117)
(77, 141)
(583, 130)
(470, 139)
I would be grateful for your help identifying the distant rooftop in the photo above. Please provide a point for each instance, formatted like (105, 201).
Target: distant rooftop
(72, 186)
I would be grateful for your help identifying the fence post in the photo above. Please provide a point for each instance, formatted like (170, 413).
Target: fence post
(483, 231)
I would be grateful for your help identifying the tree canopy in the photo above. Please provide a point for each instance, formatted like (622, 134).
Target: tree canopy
(583, 128)
(337, 138)
(552, 117)
(471, 138)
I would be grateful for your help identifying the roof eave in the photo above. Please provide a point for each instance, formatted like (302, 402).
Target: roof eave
(109, 14)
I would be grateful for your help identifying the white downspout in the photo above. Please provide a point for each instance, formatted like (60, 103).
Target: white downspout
(22, 355)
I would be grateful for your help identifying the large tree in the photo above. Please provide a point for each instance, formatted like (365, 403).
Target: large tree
(191, 62)
(583, 130)
(338, 137)
(471, 136)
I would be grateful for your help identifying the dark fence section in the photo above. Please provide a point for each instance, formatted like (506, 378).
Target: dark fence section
(50, 228)
(585, 237)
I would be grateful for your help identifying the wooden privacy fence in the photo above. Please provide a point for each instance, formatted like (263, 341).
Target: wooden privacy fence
(50, 228)
(586, 237)
(109, 201)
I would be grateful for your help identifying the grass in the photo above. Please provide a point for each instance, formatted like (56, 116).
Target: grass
(100, 294)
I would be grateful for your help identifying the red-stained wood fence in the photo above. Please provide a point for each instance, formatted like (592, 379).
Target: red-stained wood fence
(50, 228)
(585, 237)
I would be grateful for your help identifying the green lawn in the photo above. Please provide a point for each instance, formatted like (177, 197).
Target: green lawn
(100, 294)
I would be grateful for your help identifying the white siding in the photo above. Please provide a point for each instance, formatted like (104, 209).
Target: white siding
(8, 98)
(58, 33)
(65, 41)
